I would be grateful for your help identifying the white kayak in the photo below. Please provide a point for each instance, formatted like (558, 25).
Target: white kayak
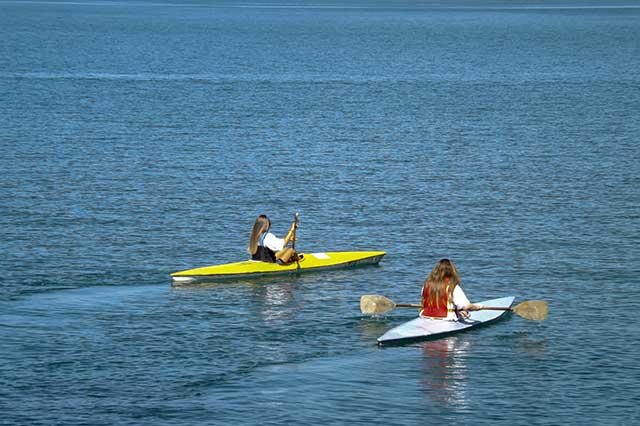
(429, 328)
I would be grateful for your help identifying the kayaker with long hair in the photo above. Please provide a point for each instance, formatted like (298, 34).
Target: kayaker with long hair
(266, 247)
(442, 296)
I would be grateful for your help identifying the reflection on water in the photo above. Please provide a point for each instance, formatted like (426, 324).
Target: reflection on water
(272, 301)
(444, 371)
(234, 282)
(270, 298)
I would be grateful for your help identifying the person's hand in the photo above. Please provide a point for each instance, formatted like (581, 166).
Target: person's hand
(463, 314)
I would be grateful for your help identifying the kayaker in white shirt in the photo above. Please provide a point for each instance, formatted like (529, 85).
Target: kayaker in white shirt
(266, 247)
(442, 296)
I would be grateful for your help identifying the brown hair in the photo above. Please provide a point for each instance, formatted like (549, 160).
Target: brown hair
(261, 226)
(443, 278)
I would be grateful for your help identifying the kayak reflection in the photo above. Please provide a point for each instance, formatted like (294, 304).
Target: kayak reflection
(444, 377)
(273, 302)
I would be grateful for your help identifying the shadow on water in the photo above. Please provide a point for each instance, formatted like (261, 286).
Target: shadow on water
(524, 342)
(372, 327)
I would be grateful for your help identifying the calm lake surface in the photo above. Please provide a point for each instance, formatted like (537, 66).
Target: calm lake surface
(141, 138)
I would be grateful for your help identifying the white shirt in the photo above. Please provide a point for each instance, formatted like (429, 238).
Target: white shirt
(459, 299)
(274, 243)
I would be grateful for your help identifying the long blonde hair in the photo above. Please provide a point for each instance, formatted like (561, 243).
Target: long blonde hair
(443, 278)
(261, 226)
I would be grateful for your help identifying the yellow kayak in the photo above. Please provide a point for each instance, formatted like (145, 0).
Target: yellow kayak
(253, 268)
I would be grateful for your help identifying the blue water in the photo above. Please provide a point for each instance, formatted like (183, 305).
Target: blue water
(140, 138)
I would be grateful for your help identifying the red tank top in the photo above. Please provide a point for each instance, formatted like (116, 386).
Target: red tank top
(439, 311)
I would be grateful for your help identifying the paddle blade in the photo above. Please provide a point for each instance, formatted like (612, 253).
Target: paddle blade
(535, 310)
(372, 304)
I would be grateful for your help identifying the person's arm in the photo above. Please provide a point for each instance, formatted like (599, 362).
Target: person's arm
(462, 302)
(274, 243)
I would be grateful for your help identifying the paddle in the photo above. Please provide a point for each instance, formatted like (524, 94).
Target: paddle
(535, 310)
(291, 235)
(285, 254)
(372, 304)
(293, 242)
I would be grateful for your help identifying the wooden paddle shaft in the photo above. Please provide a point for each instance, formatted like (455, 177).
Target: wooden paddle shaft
(489, 308)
